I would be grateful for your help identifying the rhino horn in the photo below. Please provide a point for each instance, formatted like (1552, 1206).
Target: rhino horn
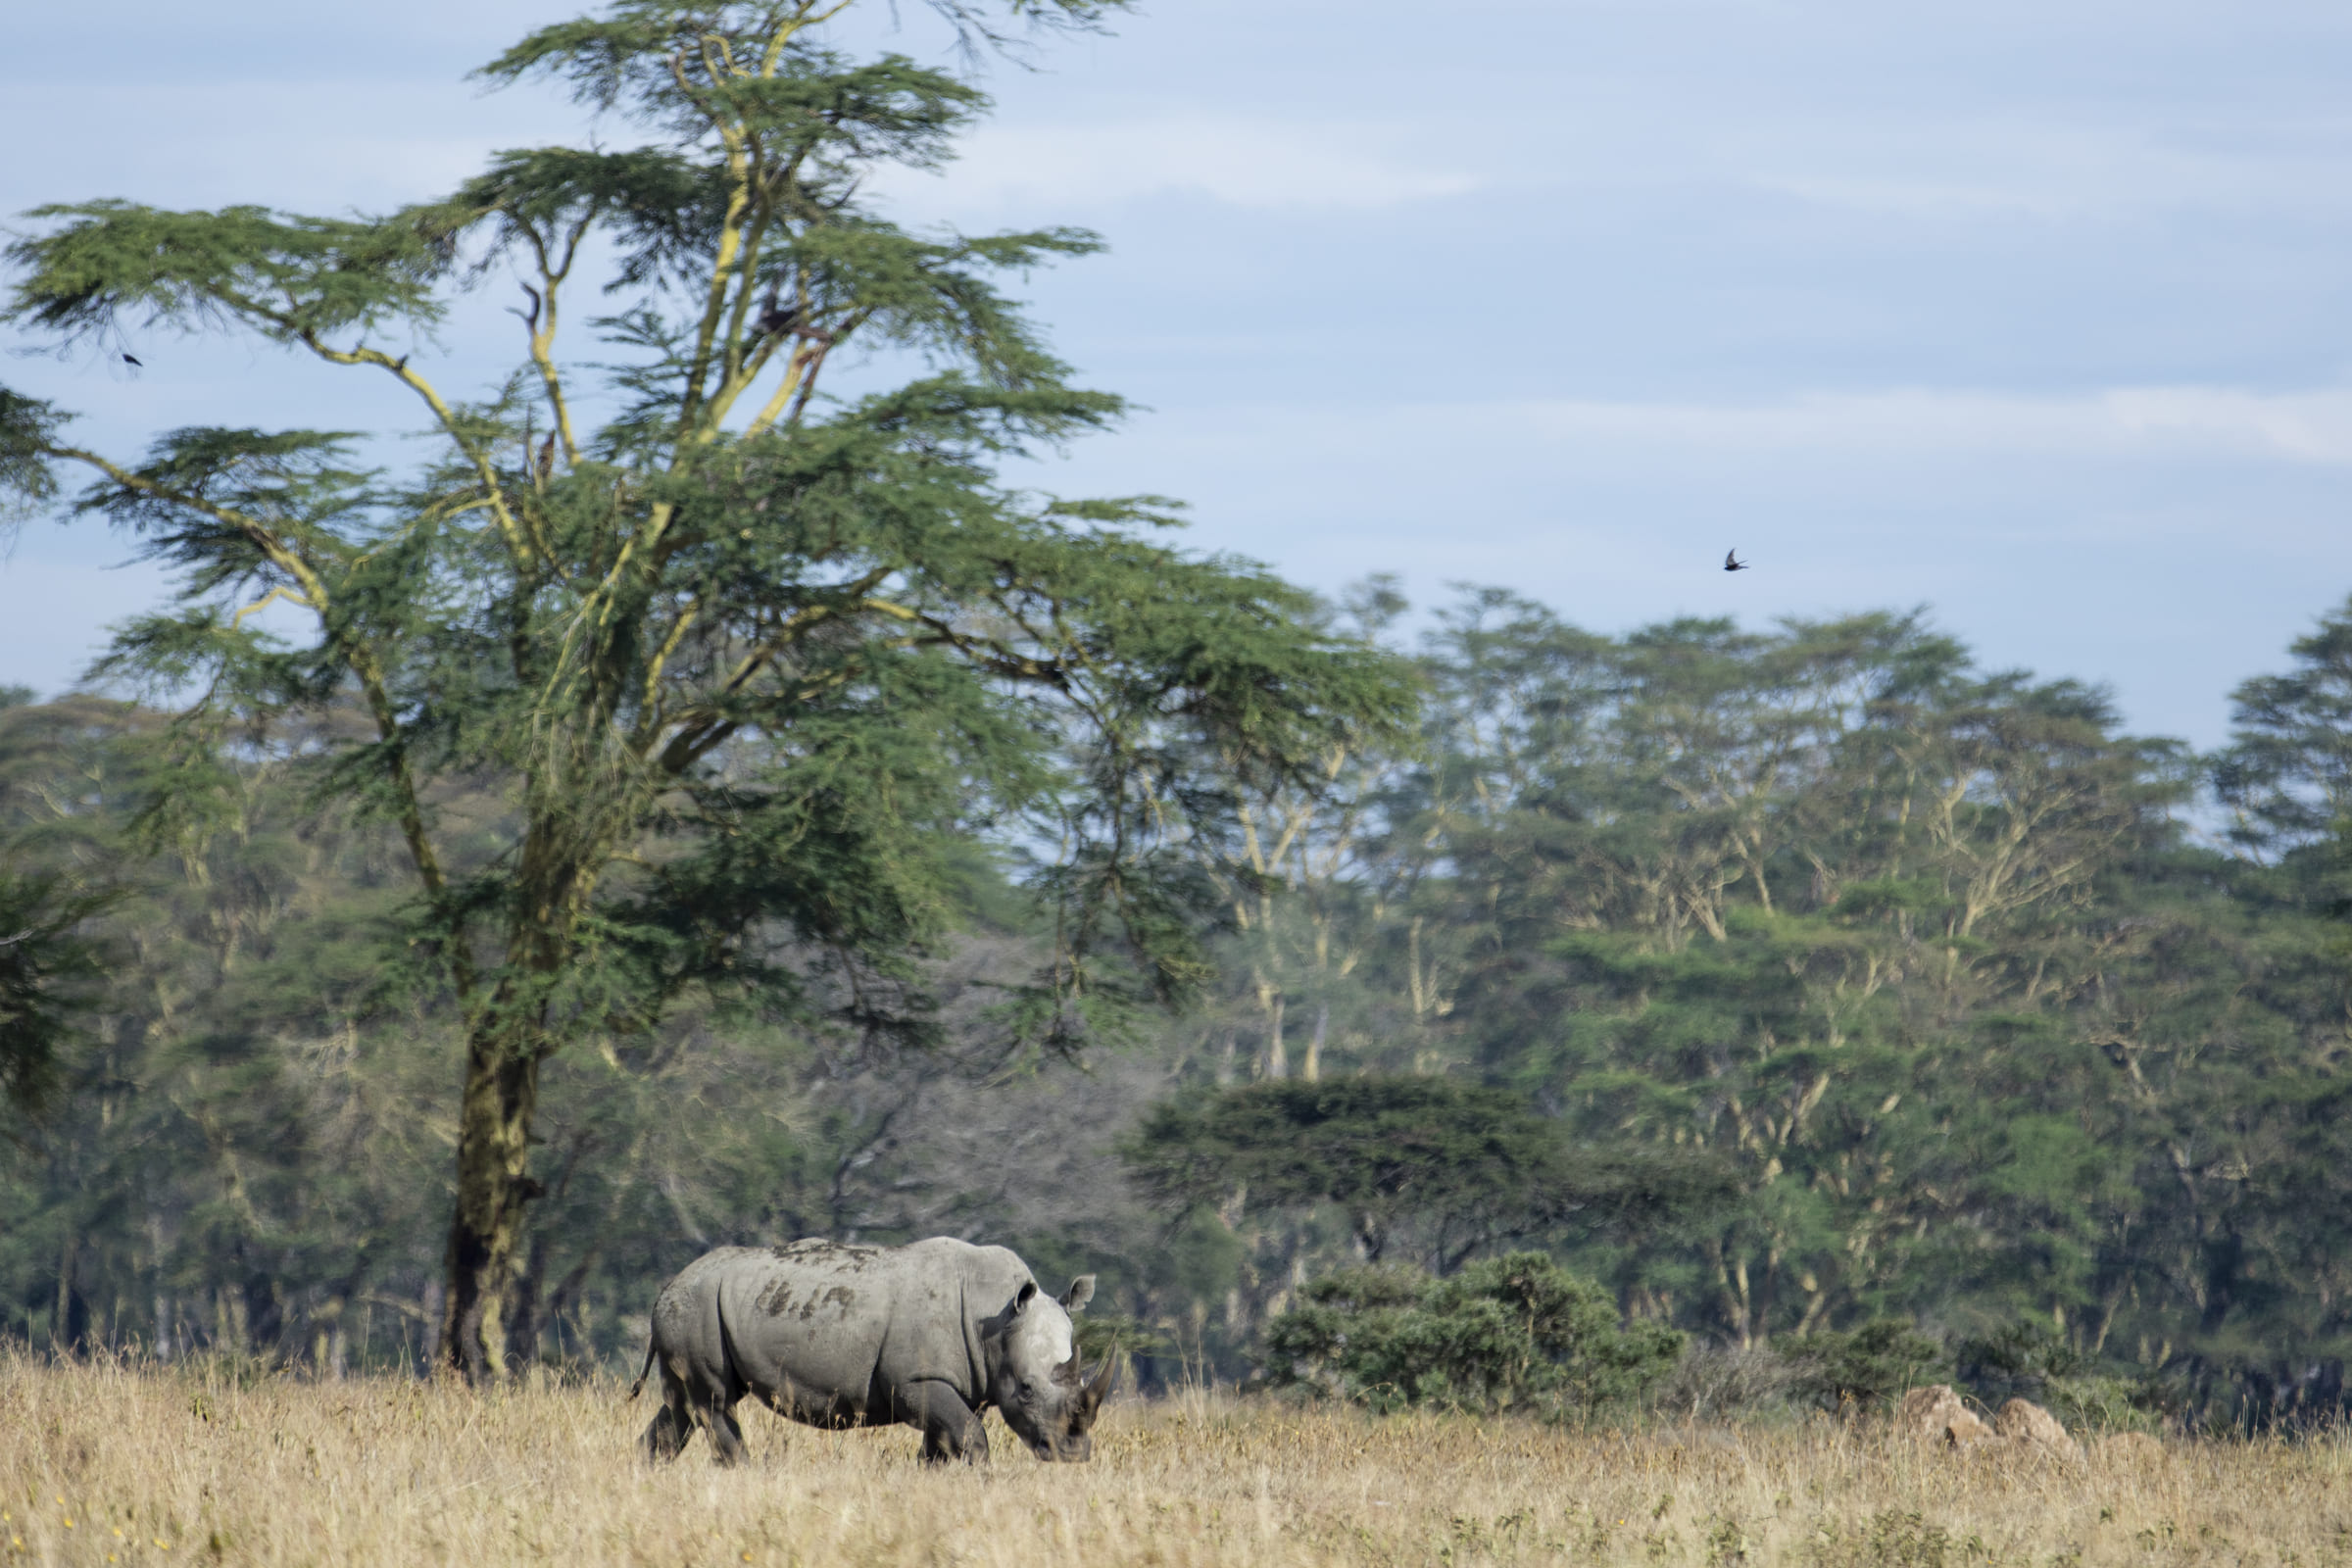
(1097, 1387)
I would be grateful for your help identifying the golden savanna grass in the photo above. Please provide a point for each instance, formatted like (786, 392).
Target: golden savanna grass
(113, 1465)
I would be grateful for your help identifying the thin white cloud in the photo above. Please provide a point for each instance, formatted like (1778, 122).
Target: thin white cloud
(2302, 427)
(2040, 167)
(1244, 161)
(2298, 427)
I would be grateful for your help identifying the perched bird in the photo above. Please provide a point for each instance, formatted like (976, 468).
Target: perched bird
(777, 317)
(133, 361)
(1732, 562)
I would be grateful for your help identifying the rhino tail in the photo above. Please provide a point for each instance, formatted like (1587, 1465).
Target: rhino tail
(643, 1370)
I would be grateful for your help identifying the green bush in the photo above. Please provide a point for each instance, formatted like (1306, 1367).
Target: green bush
(1511, 1333)
(2104, 1403)
(1865, 1368)
(2019, 1361)
(2028, 1361)
(1100, 1334)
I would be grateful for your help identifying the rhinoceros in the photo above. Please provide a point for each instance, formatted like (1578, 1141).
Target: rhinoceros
(930, 1335)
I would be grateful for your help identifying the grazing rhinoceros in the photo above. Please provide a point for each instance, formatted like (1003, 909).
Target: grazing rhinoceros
(929, 1334)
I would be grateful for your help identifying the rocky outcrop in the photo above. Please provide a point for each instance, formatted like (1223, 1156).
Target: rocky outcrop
(1936, 1415)
(2028, 1425)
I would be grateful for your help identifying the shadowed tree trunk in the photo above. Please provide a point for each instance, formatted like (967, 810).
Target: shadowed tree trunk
(494, 1187)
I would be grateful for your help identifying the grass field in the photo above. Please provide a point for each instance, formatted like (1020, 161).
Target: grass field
(107, 1464)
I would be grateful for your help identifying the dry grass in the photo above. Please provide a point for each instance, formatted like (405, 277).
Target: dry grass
(107, 1464)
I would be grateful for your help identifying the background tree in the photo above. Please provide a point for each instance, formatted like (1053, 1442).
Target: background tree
(1466, 1169)
(740, 665)
(1515, 1331)
(44, 961)
(2288, 773)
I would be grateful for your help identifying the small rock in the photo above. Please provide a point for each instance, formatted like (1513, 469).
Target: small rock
(1936, 1415)
(2029, 1425)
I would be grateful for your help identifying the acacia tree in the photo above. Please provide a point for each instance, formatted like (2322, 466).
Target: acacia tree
(45, 966)
(744, 662)
(1464, 1168)
(2288, 774)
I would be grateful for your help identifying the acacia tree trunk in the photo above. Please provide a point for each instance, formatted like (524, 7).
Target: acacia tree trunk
(504, 1049)
(485, 1228)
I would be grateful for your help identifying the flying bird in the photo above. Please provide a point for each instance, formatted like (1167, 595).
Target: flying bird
(133, 361)
(1732, 562)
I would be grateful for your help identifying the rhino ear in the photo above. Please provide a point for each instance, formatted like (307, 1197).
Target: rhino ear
(1081, 1292)
(1020, 1302)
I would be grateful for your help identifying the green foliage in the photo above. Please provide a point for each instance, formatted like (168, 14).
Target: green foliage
(2288, 772)
(1470, 1165)
(29, 432)
(1511, 1333)
(2019, 1358)
(2029, 1360)
(46, 966)
(1865, 1368)
(291, 279)
(1100, 1334)
(1981, 1034)
(2110, 1401)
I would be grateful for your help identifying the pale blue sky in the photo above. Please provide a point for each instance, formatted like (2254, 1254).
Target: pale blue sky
(2035, 314)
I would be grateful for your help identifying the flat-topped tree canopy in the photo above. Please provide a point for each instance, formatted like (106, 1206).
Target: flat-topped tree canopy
(749, 662)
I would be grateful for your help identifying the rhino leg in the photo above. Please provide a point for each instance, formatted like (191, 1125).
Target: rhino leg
(951, 1431)
(719, 1416)
(672, 1427)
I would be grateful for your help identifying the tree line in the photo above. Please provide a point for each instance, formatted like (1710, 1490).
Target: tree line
(1989, 1010)
(1782, 982)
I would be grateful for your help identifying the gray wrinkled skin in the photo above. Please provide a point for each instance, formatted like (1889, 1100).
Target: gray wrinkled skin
(928, 1335)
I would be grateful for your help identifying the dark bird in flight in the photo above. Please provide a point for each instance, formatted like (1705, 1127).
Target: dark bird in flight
(133, 361)
(1733, 563)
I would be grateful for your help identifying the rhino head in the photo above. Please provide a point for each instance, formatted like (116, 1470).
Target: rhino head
(1034, 1377)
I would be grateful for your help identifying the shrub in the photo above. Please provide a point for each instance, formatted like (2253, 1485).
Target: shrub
(2020, 1360)
(1864, 1368)
(1715, 1382)
(1517, 1332)
(2027, 1360)
(2104, 1403)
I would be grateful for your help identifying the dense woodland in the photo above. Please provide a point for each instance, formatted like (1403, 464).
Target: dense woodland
(1971, 1009)
(741, 815)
